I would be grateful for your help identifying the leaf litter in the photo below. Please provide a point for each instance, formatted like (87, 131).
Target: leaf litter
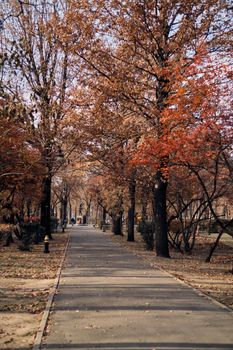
(25, 282)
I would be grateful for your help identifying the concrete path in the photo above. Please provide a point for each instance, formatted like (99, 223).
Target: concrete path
(109, 299)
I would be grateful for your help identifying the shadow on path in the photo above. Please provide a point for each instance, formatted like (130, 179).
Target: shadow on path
(110, 299)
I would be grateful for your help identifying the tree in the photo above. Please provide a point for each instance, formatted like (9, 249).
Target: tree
(155, 43)
(39, 76)
(19, 170)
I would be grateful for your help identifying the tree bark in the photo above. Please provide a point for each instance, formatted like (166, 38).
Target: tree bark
(104, 215)
(65, 204)
(214, 247)
(70, 211)
(117, 225)
(87, 213)
(142, 222)
(144, 209)
(131, 210)
(160, 216)
(45, 206)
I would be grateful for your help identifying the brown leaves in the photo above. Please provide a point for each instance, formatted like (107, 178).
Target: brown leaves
(26, 277)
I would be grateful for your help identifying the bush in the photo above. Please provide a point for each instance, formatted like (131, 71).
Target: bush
(140, 227)
(54, 224)
(204, 225)
(147, 230)
(30, 233)
(214, 227)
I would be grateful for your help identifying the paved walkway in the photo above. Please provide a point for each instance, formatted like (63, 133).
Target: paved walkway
(109, 299)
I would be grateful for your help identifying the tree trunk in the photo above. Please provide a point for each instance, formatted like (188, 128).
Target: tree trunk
(144, 210)
(143, 218)
(117, 225)
(103, 219)
(131, 210)
(28, 208)
(104, 215)
(45, 206)
(212, 249)
(160, 216)
(65, 204)
(70, 213)
(87, 214)
(75, 213)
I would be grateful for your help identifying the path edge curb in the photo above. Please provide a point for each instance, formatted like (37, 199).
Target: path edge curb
(43, 322)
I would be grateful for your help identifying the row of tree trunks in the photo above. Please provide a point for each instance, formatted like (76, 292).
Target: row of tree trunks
(160, 215)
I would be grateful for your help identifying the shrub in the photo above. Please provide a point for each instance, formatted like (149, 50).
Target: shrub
(147, 230)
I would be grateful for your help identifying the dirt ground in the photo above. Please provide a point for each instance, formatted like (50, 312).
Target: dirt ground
(214, 279)
(25, 282)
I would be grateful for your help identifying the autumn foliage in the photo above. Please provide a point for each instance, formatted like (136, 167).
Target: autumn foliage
(138, 90)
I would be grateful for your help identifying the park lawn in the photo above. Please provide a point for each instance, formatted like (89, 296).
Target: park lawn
(215, 279)
(26, 279)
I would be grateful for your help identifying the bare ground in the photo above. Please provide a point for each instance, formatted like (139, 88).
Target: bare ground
(25, 282)
(214, 279)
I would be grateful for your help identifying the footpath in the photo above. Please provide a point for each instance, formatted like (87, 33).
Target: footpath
(110, 299)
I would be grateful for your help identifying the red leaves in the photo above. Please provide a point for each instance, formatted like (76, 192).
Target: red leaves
(193, 121)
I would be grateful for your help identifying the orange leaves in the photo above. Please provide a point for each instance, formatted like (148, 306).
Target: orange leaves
(151, 152)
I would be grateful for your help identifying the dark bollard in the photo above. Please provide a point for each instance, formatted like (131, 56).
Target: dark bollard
(46, 244)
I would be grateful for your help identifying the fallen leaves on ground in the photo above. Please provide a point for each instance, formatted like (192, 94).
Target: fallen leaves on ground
(26, 279)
